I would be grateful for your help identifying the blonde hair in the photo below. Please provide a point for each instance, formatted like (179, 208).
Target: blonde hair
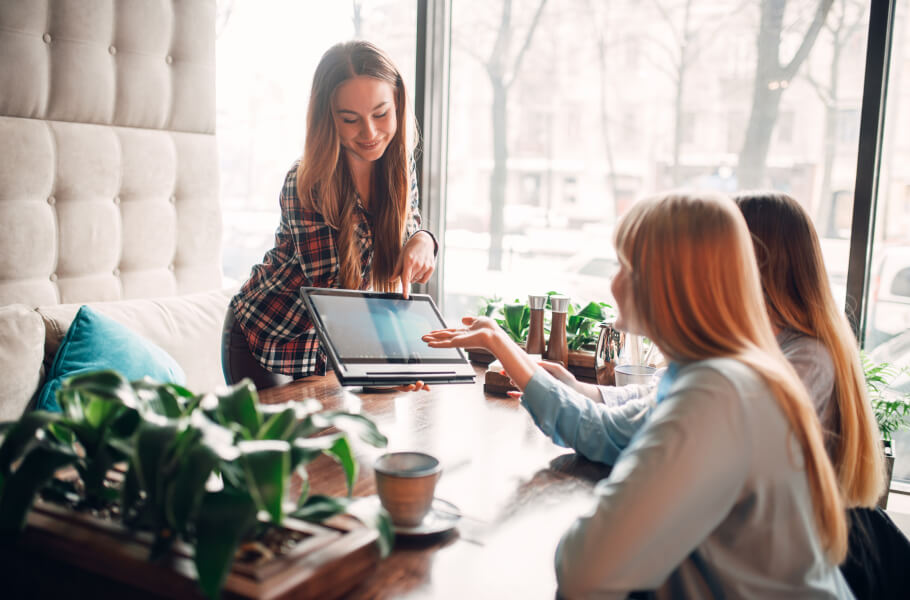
(691, 255)
(798, 295)
(324, 182)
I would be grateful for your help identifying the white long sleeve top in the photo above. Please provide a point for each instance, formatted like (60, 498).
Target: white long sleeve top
(707, 498)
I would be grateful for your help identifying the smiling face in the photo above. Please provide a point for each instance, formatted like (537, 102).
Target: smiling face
(365, 118)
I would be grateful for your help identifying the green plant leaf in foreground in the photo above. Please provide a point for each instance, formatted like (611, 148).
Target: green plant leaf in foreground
(353, 424)
(317, 508)
(20, 488)
(22, 433)
(267, 465)
(237, 405)
(224, 518)
(372, 514)
(341, 451)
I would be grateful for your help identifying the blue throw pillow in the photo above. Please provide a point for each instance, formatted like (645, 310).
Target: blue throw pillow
(96, 342)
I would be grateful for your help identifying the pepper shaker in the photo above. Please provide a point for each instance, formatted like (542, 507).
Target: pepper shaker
(536, 341)
(558, 346)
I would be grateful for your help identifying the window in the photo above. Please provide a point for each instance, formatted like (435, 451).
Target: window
(785, 127)
(848, 126)
(513, 77)
(887, 330)
(266, 52)
(901, 284)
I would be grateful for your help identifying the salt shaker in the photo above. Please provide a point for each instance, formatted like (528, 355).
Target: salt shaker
(536, 341)
(558, 346)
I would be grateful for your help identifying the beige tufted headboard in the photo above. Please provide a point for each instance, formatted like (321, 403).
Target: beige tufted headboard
(108, 162)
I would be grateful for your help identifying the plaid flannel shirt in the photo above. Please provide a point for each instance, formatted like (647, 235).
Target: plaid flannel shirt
(268, 306)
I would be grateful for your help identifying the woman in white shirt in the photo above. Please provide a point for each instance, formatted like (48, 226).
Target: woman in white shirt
(725, 489)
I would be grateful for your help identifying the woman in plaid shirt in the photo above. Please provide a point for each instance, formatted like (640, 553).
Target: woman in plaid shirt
(349, 218)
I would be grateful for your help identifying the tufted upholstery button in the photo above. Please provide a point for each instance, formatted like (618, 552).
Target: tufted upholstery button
(168, 59)
(170, 267)
(116, 272)
(173, 199)
(116, 199)
(112, 49)
(47, 38)
(53, 277)
(51, 200)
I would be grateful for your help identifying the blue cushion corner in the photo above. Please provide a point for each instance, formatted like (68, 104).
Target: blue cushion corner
(94, 342)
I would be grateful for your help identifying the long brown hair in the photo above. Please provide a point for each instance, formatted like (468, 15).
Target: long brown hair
(798, 295)
(692, 258)
(324, 182)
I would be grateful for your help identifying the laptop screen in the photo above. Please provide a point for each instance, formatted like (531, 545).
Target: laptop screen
(375, 329)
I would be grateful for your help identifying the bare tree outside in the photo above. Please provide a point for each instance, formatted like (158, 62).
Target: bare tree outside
(600, 22)
(502, 66)
(848, 19)
(690, 39)
(772, 78)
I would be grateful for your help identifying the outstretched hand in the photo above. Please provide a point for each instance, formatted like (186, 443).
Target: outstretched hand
(416, 262)
(477, 333)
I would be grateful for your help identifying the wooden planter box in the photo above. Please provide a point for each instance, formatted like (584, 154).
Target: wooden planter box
(327, 562)
(581, 364)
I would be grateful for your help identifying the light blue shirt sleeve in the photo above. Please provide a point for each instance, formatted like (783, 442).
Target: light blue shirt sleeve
(596, 431)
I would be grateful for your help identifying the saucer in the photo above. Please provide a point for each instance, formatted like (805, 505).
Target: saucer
(443, 516)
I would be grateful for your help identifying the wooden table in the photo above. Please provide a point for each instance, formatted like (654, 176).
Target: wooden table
(517, 490)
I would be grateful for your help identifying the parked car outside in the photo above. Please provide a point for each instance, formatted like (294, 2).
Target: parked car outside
(889, 295)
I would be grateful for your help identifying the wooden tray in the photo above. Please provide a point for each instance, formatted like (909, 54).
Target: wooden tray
(581, 363)
(326, 563)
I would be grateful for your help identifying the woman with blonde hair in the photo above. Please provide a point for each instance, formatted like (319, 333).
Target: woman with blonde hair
(731, 455)
(816, 338)
(349, 218)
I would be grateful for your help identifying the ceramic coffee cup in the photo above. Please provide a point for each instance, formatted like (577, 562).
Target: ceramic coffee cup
(405, 482)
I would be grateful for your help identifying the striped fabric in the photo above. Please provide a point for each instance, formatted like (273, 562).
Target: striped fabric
(268, 306)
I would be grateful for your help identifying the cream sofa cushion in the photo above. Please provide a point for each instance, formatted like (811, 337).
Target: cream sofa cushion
(187, 327)
(21, 356)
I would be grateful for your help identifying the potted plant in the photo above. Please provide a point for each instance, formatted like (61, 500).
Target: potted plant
(197, 474)
(891, 409)
(514, 318)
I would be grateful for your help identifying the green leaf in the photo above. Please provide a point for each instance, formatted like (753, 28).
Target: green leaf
(185, 497)
(305, 450)
(21, 434)
(266, 464)
(223, 520)
(159, 398)
(592, 310)
(515, 317)
(107, 384)
(97, 411)
(341, 452)
(153, 443)
(371, 514)
(318, 508)
(279, 426)
(126, 423)
(20, 488)
(237, 405)
(350, 423)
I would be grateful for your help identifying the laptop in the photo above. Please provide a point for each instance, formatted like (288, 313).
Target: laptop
(373, 338)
